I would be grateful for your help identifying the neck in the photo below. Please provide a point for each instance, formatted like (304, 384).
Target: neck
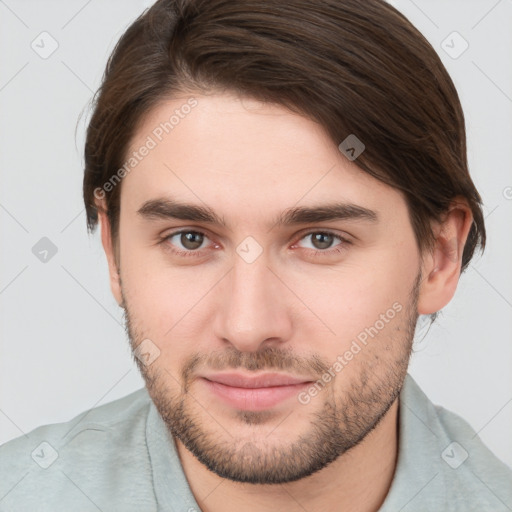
(358, 480)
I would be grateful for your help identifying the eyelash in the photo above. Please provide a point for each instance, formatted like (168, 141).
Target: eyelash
(314, 252)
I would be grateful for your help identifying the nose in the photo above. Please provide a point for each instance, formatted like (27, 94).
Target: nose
(252, 309)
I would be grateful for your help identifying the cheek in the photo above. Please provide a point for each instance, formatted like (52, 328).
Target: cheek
(351, 299)
(167, 305)
(163, 299)
(370, 319)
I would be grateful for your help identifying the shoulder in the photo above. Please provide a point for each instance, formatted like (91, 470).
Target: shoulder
(466, 474)
(475, 468)
(78, 459)
(111, 420)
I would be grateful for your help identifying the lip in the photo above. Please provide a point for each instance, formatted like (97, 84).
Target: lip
(254, 392)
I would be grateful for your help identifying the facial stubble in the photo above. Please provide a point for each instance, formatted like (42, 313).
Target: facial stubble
(340, 424)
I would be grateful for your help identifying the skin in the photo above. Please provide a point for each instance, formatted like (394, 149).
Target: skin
(290, 310)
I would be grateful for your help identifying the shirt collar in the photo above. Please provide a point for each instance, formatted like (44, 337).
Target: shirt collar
(171, 487)
(419, 473)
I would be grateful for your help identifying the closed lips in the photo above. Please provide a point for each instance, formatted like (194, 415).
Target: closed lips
(259, 381)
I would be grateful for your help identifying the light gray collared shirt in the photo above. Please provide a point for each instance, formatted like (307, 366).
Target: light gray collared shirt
(121, 457)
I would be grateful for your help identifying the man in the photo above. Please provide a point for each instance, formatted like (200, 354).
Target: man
(282, 189)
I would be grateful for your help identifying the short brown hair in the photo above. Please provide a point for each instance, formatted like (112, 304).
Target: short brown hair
(354, 67)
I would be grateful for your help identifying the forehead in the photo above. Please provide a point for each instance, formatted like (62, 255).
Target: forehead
(240, 156)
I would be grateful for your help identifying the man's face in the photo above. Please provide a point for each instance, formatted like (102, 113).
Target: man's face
(245, 314)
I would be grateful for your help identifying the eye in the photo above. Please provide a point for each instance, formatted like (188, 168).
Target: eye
(322, 240)
(190, 243)
(186, 242)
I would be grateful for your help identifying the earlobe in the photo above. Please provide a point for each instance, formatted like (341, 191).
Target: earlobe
(108, 246)
(441, 266)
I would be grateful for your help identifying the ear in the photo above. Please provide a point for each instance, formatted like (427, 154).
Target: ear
(110, 253)
(441, 265)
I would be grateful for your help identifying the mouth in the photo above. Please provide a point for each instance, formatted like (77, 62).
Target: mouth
(254, 392)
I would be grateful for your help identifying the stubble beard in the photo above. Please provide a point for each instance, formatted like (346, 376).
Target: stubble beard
(340, 424)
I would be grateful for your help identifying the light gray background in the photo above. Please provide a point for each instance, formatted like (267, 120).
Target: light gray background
(63, 346)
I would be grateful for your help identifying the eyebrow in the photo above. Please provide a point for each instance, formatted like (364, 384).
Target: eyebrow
(170, 209)
(327, 212)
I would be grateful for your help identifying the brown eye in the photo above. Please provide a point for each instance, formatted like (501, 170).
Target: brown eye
(185, 243)
(191, 240)
(322, 240)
